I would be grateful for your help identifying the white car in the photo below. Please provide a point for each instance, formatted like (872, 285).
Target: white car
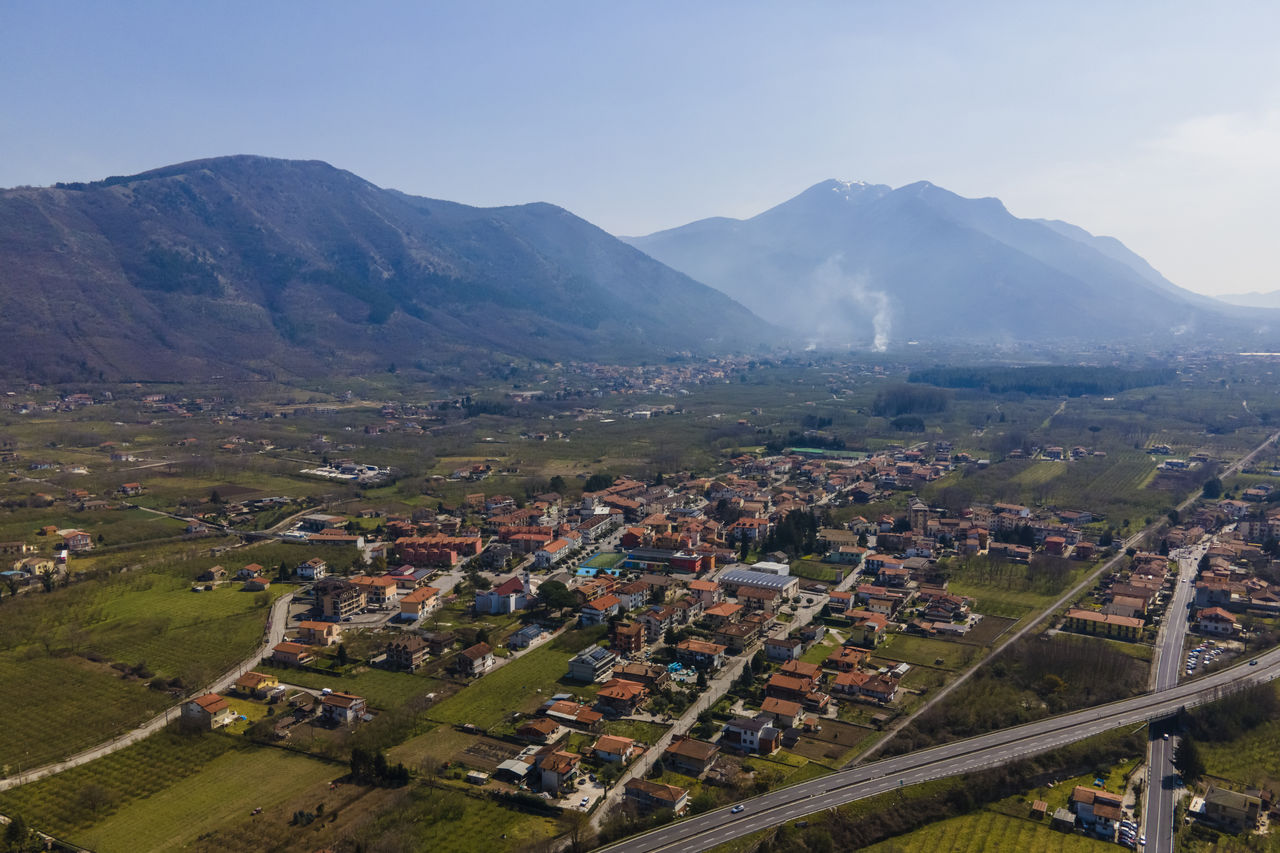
(739, 807)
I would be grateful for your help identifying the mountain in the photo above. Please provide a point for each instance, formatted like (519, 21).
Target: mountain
(1253, 299)
(865, 264)
(253, 266)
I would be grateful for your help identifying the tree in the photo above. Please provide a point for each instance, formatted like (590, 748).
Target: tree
(16, 834)
(597, 483)
(557, 484)
(1213, 488)
(1187, 759)
(343, 659)
(556, 596)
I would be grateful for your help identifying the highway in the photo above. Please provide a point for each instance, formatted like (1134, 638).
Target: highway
(712, 828)
(1157, 816)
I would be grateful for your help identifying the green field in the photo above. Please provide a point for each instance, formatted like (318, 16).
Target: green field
(70, 802)
(1039, 473)
(449, 821)
(71, 701)
(1250, 760)
(997, 601)
(638, 730)
(225, 790)
(522, 685)
(115, 526)
(53, 707)
(816, 570)
(178, 632)
(382, 688)
(924, 651)
(989, 832)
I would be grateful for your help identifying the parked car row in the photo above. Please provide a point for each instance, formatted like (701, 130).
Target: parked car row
(1201, 655)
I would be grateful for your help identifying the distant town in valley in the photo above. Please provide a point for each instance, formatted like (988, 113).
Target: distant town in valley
(577, 604)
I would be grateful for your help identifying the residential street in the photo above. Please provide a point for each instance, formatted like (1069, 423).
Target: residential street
(717, 687)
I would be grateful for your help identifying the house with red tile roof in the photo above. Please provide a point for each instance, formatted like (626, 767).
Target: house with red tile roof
(206, 712)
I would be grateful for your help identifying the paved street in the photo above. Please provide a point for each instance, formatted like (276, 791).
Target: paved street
(717, 687)
(1167, 664)
(716, 827)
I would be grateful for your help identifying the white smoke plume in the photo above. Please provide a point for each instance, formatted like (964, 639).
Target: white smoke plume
(843, 300)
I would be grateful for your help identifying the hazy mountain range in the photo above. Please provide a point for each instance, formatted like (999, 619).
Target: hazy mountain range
(848, 262)
(248, 265)
(1253, 299)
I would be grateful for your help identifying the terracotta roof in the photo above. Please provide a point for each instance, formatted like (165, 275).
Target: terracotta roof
(695, 749)
(773, 705)
(561, 762)
(341, 700)
(657, 790)
(212, 703)
(613, 745)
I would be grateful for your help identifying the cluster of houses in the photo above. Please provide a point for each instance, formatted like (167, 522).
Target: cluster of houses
(213, 711)
(547, 764)
(1230, 584)
(1127, 603)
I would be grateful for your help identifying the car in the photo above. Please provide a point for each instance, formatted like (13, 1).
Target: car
(1165, 736)
(1142, 839)
(736, 809)
(584, 801)
(1253, 662)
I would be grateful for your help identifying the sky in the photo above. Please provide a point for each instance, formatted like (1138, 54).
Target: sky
(1154, 122)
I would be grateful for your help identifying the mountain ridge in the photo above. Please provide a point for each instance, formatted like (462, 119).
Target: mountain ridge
(262, 265)
(883, 265)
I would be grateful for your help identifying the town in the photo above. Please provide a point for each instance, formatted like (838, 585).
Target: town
(588, 655)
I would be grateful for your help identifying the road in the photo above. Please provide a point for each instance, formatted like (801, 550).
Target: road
(1160, 793)
(1067, 597)
(815, 795)
(273, 633)
(1071, 595)
(716, 688)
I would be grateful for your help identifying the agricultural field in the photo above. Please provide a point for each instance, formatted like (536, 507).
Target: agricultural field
(382, 688)
(64, 705)
(990, 832)
(70, 802)
(108, 527)
(225, 791)
(1001, 602)
(926, 651)
(1250, 760)
(181, 633)
(149, 623)
(452, 821)
(520, 686)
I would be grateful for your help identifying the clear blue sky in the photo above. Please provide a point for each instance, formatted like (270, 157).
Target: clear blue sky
(1154, 122)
